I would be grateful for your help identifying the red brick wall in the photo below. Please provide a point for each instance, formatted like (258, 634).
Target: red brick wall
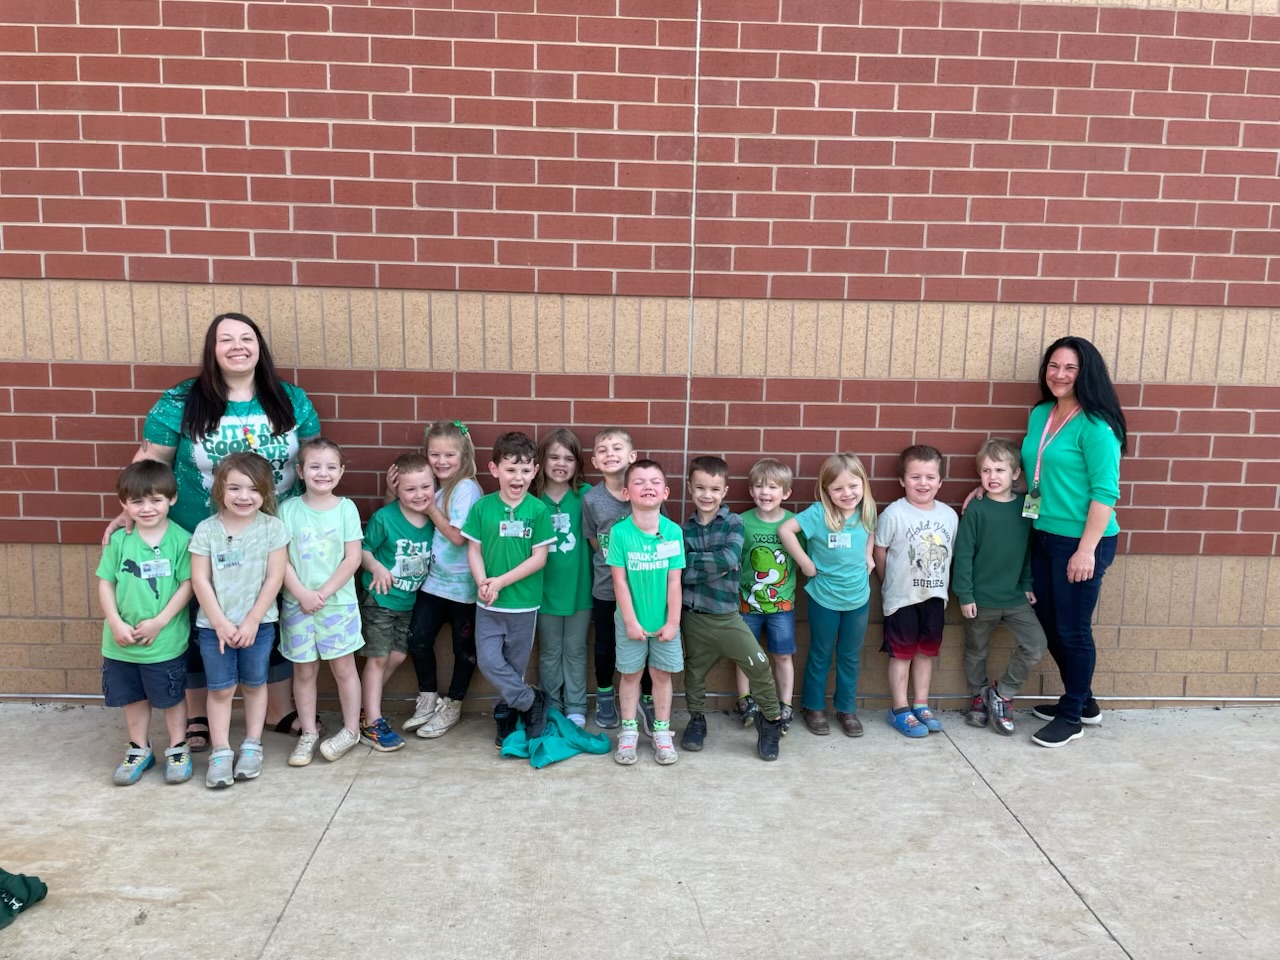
(888, 149)
(1203, 477)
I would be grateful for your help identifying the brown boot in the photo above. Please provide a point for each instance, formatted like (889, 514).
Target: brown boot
(816, 721)
(850, 724)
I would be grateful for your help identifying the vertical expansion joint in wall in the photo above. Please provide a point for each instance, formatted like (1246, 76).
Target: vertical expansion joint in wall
(693, 223)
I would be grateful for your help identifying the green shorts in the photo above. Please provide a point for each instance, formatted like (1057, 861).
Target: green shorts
(665, 655)
(384, 630)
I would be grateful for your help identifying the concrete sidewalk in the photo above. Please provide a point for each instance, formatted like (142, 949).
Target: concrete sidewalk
(1156, 836)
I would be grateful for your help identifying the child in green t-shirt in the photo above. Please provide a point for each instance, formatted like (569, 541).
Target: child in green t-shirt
(768, 589)
(566, 598)
(646, 554)
(144, 585)
(396, 555)
(510, 533)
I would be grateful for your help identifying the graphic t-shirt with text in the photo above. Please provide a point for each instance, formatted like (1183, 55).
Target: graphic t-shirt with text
(921, 545)
(244, 427)
(401, 547)
(647, 558)
(768, 572)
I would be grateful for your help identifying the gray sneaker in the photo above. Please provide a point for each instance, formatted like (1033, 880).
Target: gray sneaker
(607, 710)
(336, 747)
(220, 773)
(1000, 710)
(249, 763)
(177, 764)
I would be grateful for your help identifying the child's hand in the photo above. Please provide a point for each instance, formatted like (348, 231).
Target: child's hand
(668, 632)
(122, 633)
(1031, 598)
(977, 492)
(488, 590)
(311, 602)
(246, 633)
(145, 633)
(393, 479)
(808, 569)
(226, 636)
(380, 579)
(968, 610)
(634, 630)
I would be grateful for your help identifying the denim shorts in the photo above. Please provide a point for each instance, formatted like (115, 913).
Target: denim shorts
(778, 629)
(246, 666)
(162, 684)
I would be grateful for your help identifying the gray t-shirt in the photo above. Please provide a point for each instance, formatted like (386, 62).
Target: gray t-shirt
(600, 511)
(921, 546)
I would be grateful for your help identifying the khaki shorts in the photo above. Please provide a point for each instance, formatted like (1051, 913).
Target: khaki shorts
(665, 655)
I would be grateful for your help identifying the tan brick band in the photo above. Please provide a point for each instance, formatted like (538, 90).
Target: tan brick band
(415, 330)
(1166, 627)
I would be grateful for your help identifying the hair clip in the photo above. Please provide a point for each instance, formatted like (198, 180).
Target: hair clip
(462, 427)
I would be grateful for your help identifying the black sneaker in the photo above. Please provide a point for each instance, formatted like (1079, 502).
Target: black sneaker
(645, 714)
(535, 718)
(1090, 716)
(505, 719)
(1057, 733)
(768, 733)
(747, 710)
(694, 733)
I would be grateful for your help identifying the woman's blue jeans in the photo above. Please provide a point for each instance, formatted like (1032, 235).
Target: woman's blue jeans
(1065, 611)
(839, 632)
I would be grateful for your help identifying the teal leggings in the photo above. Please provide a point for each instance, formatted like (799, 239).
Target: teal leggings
(839, 632)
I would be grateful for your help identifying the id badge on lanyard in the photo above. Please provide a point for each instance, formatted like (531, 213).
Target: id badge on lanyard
(1031, 503)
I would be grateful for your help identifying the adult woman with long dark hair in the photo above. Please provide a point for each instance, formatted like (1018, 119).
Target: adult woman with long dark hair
(1071, 459)
(236, 403)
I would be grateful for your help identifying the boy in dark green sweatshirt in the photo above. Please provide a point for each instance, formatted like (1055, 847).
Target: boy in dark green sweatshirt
(992, 580)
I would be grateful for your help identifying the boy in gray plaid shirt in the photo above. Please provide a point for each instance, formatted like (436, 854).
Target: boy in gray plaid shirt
(710, 623)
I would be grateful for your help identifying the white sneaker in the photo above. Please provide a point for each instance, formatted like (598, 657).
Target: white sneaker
(663, 749)
(422, 710)
(304, 749)
(578, 720)
(336, 747)
(627, 740)
(448, 713)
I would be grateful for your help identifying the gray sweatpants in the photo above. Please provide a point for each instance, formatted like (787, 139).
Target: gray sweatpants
(503, 643)
(562, 660)
(1030, 647)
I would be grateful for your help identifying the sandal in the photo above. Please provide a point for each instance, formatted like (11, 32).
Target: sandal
(198, 734)
(286, 725)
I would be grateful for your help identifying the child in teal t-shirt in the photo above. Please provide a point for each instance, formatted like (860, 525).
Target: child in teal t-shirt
(510, 534)
(566, 597)
(144, 585)
(836, 556)
(396, 555)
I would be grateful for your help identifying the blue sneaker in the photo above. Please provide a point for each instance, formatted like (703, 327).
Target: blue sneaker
(137, 761)
(925, 716)
(380, 736)
(907, 724)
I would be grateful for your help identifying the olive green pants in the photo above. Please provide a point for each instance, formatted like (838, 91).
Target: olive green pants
(712, 637)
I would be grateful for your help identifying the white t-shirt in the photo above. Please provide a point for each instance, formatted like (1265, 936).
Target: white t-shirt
(921, 545)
